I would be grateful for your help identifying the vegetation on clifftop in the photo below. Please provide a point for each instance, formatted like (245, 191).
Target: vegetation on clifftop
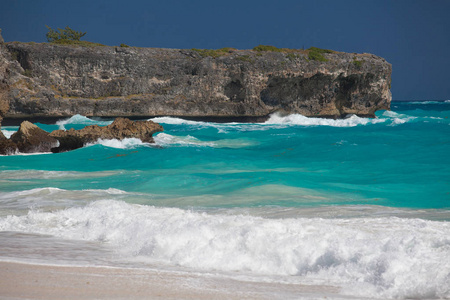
(268, 48)
(214, 52)
(63, 34)
(315, 53)
(68, 36)
(265, 48)
(78, 43)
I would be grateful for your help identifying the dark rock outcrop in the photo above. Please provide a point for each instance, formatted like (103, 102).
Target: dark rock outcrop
(31, 139)
(121, 128)
(42, 80)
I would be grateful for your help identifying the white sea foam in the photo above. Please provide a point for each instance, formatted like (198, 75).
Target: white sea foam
(275, 121)
(8, 133)
(166, 140)
(80, 120)
(221, 127)
(51, 198)
(126, 143)
(177, 121)
(110, 191)
(371, 257)
(397, 118)
(296, 119)
(42, 174)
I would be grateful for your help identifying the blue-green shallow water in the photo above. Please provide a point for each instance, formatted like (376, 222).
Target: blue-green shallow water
(362, 205)
(402, 161)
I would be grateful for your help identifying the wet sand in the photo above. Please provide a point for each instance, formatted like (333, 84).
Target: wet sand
(28, 281)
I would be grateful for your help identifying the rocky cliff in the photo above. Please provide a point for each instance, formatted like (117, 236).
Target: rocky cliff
(42, 80)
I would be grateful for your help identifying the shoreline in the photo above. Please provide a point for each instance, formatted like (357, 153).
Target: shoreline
(33, 281)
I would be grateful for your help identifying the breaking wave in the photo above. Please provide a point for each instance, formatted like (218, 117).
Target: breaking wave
(80, 120)
(127, 143)
(167, 140)
(382, 257)
(296, 119)
(277, 121)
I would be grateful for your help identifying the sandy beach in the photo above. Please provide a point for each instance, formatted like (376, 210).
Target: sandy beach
(28, 281)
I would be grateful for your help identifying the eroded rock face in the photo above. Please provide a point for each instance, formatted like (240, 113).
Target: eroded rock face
(31, 139)
(11, 74)
(121, 128)
(60, 81)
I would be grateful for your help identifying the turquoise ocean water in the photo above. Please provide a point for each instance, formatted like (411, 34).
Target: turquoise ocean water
(361, 204)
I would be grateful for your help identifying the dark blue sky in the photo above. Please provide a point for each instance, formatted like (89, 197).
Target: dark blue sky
(414, 36)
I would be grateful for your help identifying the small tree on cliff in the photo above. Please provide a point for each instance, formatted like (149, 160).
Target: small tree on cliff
(66, 34)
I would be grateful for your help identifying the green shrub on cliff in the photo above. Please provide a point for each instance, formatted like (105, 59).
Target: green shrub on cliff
(266, 48)
(315, 53)
(261, 48)
(245, 58)
(63, 34)
(214, 52)
(68, 36)
(357, 63)
(293, 56)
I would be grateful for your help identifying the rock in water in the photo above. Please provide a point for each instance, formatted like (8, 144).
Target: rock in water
(120, 129)
(30, 138)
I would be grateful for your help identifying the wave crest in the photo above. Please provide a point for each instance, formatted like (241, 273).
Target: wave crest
(388, 257)
(297, 119)
(127, 143)
(167, 140)
(277, 121)
(80, 120)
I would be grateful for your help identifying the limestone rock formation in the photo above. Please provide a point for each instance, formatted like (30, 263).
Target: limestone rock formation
(121, 128)
(11, 75)
(42, 80)
(30, 139)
